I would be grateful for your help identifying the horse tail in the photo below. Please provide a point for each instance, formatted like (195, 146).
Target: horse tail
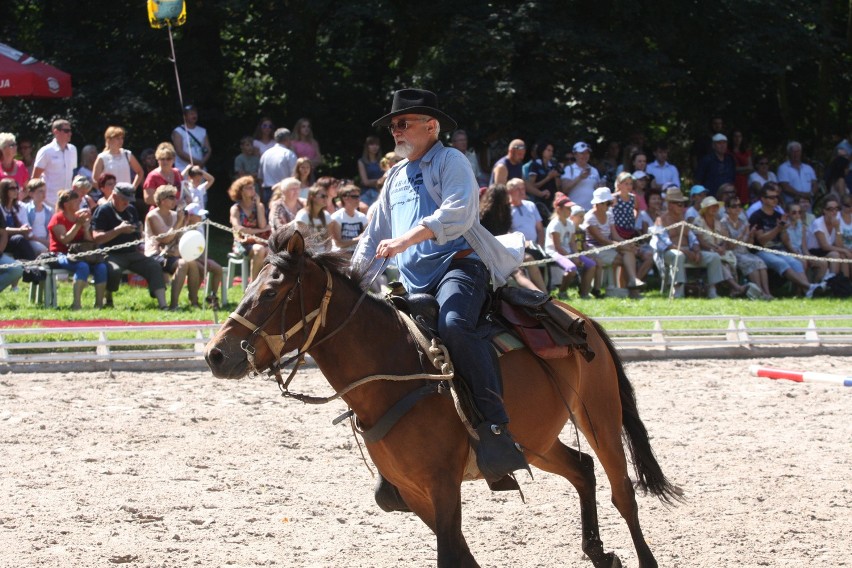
(649, 474)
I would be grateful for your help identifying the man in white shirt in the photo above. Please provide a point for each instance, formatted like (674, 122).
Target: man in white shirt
(190, 139)
(797, 179)
(527, 220)
(580, 178)
(55, 163)
(277, 163)
(662, 171)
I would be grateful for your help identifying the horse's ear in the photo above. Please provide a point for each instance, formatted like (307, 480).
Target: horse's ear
(296, 244)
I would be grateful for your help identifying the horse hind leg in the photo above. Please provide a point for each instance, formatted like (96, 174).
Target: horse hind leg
(578, 468)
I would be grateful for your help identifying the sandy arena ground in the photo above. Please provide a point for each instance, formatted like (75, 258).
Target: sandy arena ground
(181, 469)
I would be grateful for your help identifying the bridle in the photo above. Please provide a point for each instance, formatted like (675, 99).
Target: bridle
(276, 343)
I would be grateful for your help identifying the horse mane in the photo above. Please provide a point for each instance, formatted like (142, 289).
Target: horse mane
(337, 262)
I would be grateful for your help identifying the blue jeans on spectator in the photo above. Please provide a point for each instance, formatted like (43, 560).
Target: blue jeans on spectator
(780, 263)
(11, 274)
(82, 270)
(461, 294)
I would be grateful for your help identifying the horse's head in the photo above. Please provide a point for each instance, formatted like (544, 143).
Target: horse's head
(273, 316)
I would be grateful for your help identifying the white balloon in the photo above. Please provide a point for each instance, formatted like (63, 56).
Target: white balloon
(191, 245)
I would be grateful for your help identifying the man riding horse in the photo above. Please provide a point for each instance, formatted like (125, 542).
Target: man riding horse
(428, 218)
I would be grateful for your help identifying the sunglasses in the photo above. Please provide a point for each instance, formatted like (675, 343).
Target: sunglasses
(830, 208)
(354, 196)
(403, 125)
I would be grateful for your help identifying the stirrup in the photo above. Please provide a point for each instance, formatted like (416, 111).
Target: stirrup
(497, 454)
(388, 498)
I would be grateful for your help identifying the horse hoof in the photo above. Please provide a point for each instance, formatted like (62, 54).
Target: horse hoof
(613, 560)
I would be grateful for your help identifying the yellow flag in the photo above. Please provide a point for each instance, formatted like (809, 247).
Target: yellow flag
(166, 12)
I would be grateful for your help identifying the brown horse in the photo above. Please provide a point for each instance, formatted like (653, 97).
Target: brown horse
(425, 453)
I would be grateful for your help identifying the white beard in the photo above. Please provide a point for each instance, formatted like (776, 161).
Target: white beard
(403, 149)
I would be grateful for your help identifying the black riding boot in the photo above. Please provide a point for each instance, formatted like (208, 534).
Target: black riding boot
(388, 497)
(497, 454)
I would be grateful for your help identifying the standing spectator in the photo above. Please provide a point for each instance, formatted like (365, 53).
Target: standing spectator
(25, 153)
(164, 174)
(285, 203)
(190, 141)
(148, 159)
(370, 170)
(263, 136)
(70, 224)
(679, 246)
(314, 217)
(718, 167)
(735, 226)
(609, 163)
(347, 223)
(626, 164)
(16, 223)
(544, 175)
(509, 166)
(196, 184)
(162, 234)
(88, 155)
(39, 212)
(559, 244)
(247, 162)
(248, 220)
(844, 147)
(117, 223)
(57, 161)
(581, 178)
(661, 170)
(599, 225)
(796, 178)
(9, 275)
(304, 144)
(835, 177)
(12, 167)
(459, 141)
(277, 163)
(770, 233)
(826, 241)
(703, 145)
(305, 174)
(742, 160)
(758, 178)
(118, 161)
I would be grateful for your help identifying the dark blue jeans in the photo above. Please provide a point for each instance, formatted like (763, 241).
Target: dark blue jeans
(461, 294)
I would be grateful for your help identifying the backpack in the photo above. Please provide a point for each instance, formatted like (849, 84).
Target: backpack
(839, 286)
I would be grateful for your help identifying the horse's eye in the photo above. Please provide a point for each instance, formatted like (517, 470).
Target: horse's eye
(270, 293)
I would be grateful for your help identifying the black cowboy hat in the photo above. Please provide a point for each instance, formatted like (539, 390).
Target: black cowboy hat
(416, 101)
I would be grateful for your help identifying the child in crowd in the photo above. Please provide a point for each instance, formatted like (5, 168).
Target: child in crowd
(578, 244)
(196, 184)
(559, 242)
(195, 214)
(350, 222)
(247, 161)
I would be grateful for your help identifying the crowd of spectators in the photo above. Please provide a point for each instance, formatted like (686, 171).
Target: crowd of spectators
(564, 199)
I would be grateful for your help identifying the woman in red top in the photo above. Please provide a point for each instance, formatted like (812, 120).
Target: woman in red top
(71, 225)
(164, 174)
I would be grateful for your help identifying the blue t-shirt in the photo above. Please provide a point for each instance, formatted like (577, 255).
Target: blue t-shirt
(420, 266)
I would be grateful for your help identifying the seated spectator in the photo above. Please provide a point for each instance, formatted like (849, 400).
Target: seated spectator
(495, 214)
(708, 220)
(754, 207)
(331, 187)
(162, 234)
(197, 182)
(17, 225)
(370, 169)
(11, 167)
(527, 220)
(796, 178)
(625, 210)
(116, 223)
(770, 234)
(725, 191)
(10, 272)
(735, 225)
(825, 241)
(164, 174)
(39, 213)
(835, 177)
(248, 220)
(314, 217)
(247, 162)
(285, 203)
(599, 225)
(696, 196)
(559, 244)
(347, 223)
(70, 224)
(679, 246)
(388, 161)
(83, 188)
(797, 241)
(106, 185)
(641, 182)
(845, 221)
(758, 178)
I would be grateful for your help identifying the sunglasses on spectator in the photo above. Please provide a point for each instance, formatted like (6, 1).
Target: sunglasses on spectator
(830, 208)
(354, 196)
(403, 125)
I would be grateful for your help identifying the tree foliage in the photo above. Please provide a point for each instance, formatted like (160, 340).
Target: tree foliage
(561, 69)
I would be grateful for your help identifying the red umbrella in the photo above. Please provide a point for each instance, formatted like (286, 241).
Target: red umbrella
(24, 76)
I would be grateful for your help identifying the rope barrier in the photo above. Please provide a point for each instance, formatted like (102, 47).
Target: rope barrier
(591, 251)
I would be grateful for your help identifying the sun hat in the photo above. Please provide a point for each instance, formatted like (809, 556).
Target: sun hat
(696, 189)
(416, 101)
(601, 195)
(125, 190)
(708, 202)
(581, 147)
(639, 174)
(577, 210)
(719, 138)
(562, 200)
(674, 194)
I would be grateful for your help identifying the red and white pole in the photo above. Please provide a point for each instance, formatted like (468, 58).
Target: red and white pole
(800, 376)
